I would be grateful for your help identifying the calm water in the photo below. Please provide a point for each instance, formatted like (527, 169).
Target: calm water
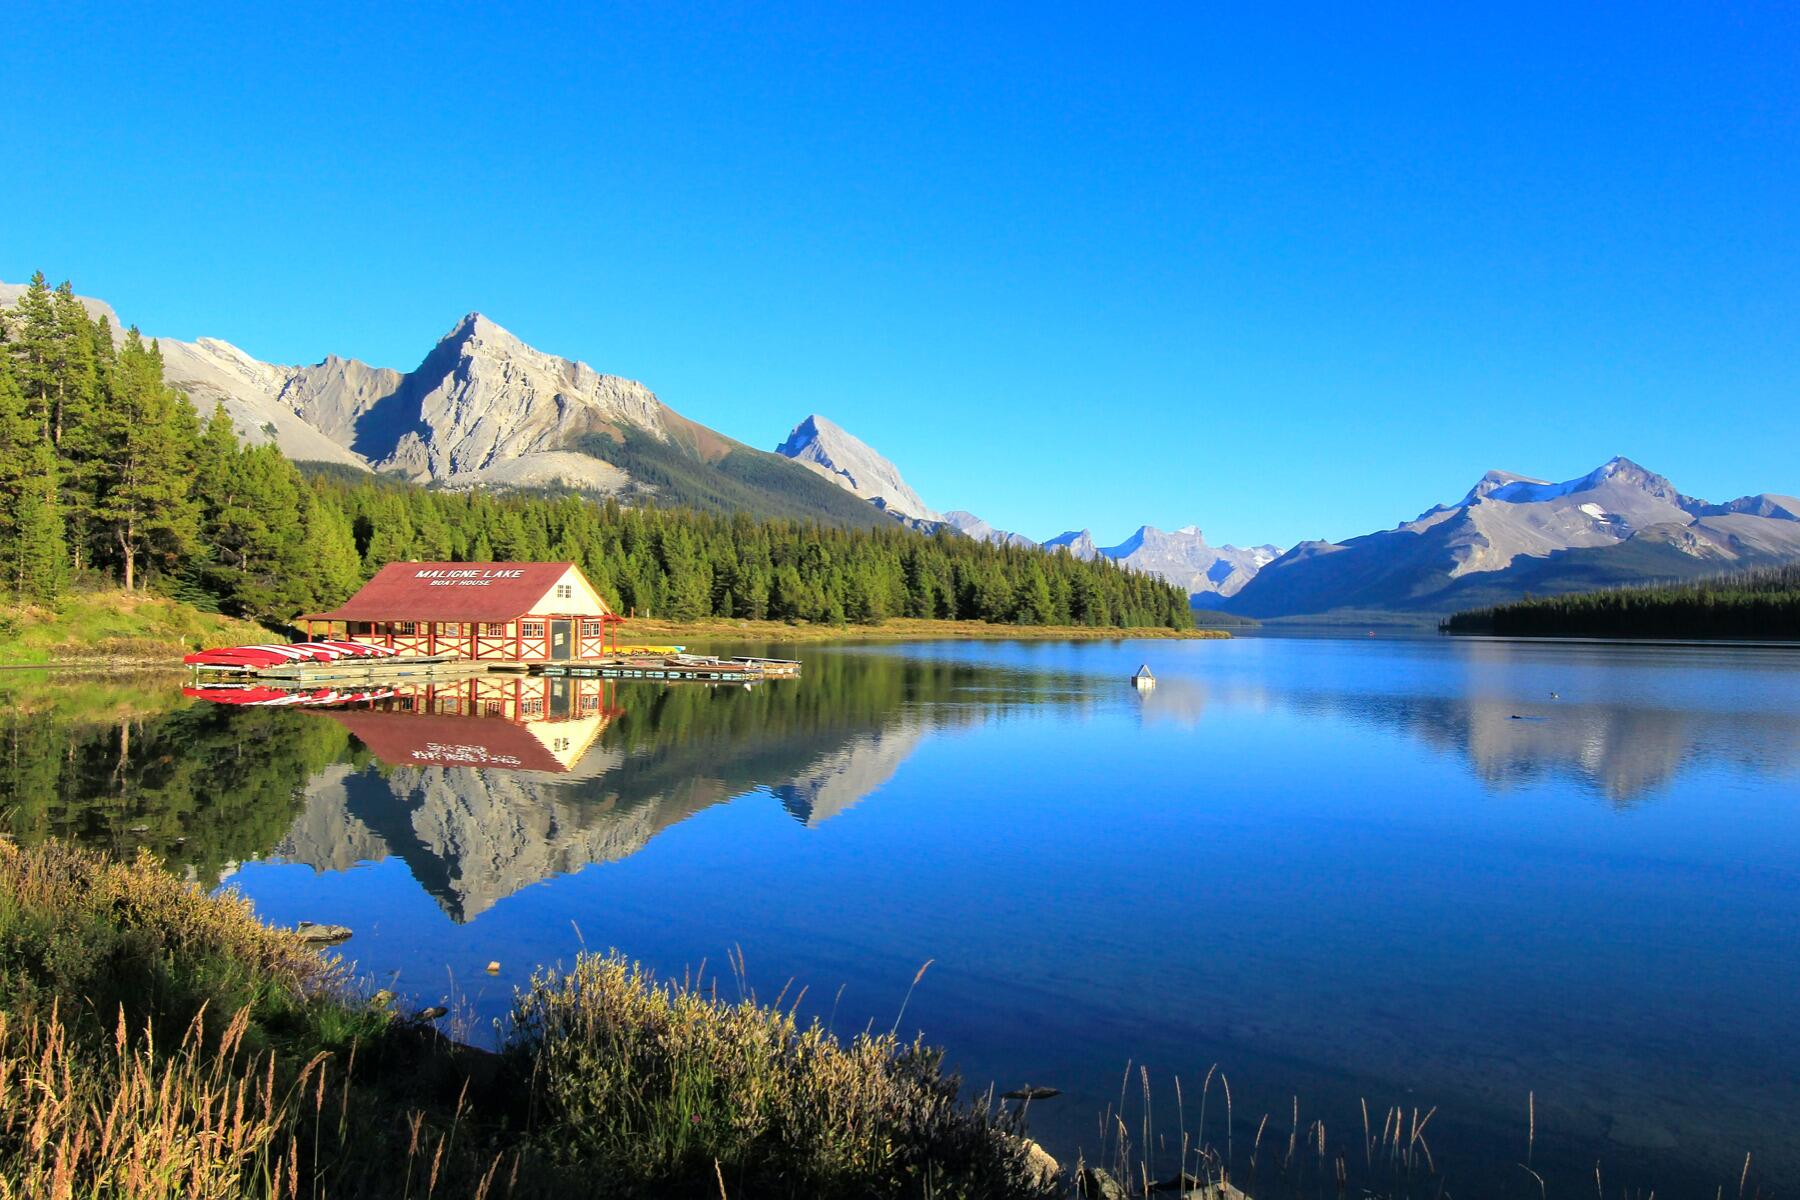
(1339, 869)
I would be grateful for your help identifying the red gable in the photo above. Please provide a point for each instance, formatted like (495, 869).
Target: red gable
(439, 740)
(448, 591)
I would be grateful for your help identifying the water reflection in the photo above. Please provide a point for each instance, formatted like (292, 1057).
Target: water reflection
(1288, 857)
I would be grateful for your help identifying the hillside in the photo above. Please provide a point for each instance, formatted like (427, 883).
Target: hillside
(1761, 604)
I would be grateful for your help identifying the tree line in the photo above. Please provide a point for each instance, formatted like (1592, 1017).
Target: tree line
(1761, 603)
(109, 476)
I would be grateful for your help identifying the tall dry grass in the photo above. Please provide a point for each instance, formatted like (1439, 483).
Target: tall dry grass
(654, 1080)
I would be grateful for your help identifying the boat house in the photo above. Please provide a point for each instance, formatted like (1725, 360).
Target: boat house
(524, 612)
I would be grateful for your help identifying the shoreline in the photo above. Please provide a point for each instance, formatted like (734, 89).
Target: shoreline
(158, 656)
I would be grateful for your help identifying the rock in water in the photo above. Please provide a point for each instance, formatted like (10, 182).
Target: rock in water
(1096, 1183)
(1042, 1170)
(322, 935)
(1029, 1092)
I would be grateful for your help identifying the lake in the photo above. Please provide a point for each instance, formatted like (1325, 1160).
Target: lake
(1494, 878)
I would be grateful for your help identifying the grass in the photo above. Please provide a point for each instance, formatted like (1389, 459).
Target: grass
(894, 629)
(115, 626)
(156, 1041)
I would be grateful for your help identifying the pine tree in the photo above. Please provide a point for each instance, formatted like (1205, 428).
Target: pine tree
(33, 555)
(146, 434)
(33, 345)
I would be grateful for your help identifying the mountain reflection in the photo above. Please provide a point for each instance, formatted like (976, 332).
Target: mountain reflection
(481, 786)
(1626, 752)
(486, 786)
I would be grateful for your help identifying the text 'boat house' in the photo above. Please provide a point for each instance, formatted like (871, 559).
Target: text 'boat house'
(523, 612)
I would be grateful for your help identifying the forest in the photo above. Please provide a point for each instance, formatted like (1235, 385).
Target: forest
(1761, 603)
(111, 478)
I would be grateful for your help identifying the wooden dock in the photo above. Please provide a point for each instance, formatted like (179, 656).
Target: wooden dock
(677, 666)
(369, 670)
(444, 666)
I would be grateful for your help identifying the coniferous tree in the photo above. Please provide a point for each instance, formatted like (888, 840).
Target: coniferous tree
(145, 437)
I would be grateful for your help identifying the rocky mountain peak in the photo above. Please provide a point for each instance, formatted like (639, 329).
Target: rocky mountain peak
(1078, 542)
(828, 449)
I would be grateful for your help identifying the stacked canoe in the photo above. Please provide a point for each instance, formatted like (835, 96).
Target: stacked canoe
(261, 657)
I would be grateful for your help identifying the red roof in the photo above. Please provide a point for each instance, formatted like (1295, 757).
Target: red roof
(451, 591)
(443, 740)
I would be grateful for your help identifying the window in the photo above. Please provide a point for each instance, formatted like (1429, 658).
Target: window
(493, 708)
(531, 706)
(532, 629)
(494, 629)
(590, 629)
(565, 591)
(405, 627)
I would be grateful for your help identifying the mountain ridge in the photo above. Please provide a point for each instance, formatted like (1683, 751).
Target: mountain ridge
(1510, 533)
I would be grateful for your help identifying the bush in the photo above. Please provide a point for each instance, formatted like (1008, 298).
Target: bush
(641, 1080)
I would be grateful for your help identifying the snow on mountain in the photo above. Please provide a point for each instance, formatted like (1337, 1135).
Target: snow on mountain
(1184, 558)
(1511, 533)
(846, 460)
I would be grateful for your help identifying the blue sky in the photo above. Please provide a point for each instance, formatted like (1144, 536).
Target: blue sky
(1282, 273)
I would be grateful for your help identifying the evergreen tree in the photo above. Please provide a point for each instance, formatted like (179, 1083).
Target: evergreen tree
(33, 555)
(147, 433)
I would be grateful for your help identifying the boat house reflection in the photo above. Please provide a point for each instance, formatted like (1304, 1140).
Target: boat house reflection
(494, 722)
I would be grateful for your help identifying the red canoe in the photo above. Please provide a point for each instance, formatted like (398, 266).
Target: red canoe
(273, 655)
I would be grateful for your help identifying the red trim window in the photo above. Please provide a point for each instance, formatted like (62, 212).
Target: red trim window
(494, 629)
(590, 629)
(533, 706)
(531, 629)
(565, 591)
(405, 628)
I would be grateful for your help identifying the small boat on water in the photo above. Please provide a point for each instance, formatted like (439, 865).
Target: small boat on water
(258, 657)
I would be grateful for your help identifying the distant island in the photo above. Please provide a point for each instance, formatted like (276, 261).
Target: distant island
(1761, 604)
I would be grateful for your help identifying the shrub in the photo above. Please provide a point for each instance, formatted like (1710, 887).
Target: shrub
(644, 1080)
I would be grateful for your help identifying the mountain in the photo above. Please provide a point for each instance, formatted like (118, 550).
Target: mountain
(1181, 557)
(847, 461)
(1209, 573)
(485, 409)
(215, 372)
(1078, 542)
(1511, 534)
(981, 531)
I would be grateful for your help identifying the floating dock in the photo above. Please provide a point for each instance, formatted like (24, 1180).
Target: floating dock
(677, 666)
(443, 666)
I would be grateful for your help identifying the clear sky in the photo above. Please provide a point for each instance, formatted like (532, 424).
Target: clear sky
(1282, 273)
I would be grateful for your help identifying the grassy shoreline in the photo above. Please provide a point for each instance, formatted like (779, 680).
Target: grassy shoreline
(159, 1041)
(894, 629)
(116, 628)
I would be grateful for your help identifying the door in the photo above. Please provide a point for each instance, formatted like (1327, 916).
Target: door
(561, 639)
